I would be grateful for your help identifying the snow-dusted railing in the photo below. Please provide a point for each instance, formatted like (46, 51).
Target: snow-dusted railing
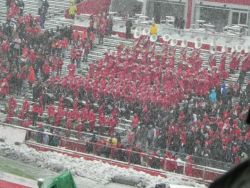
(237, 2)
(126, 156)
(196, 160)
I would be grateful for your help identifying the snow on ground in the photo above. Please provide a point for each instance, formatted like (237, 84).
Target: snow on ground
(220, 39)
(94, 171)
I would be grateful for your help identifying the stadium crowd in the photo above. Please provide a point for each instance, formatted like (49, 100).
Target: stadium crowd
(177, 104)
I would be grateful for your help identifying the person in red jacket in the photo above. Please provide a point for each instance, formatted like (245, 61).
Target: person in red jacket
(212, 61)
(59, 115)
(32, 56)
(13, 11)
(46, 71)
(189, 166)
(75, 36)
(135, 121)
(4, 87)
(170, 162)
(112, 125)
(73, 55)
(11, 106)
(101, 33)
(24, 110)
(60, 65)
(79, 129)
(36, 110)
(235, 62)
(245, 66)
(31, 76)
(51, 111)
(72, 69)
(5, 48)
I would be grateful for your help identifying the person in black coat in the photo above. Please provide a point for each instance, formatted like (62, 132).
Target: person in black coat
(128, 28)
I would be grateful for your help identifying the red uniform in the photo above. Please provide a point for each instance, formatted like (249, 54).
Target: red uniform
(135, 121)
(24, 110)
(51, 110)
(31, 75)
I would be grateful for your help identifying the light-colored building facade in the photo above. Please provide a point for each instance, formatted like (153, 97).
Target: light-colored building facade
(217, 12)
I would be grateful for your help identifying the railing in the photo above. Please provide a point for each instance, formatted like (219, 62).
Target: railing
(128, 156)
(205, 34)
(139, 158)
(196, 159)
(238, 2)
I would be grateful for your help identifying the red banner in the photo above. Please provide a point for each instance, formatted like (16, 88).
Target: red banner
(5, 184)
(92, 7)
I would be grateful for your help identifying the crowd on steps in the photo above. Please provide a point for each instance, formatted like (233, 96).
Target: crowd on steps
(177, 104)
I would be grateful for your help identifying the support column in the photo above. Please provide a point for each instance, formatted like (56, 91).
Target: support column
(150, 9)
(248, 23)
(197, 14)
(144, 7)
(230, 17)
(111, 6)
(189, 12)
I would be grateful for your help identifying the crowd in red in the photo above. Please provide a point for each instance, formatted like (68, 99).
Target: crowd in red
(138, 76)
(141, 80)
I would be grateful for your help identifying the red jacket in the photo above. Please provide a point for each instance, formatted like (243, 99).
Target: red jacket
(51, 110)
(31, 75)
(75, 35)
(135, 121)
(102, 119)
(32, 56)
(26, 106)
(12, 104)
(46, 68)
(37, 109)
(5, 46)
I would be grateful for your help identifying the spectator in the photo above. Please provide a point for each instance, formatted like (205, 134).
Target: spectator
(128, 28)
(91, 24)
(72, 11)
(20, 4)
(45, 6)
(182, 23)
(213, 96)
(110, 25)
(153, 29)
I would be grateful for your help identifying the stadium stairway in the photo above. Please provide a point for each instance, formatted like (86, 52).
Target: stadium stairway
(123, 124)
(55, 15)
(112, 42)
(55, 7)
(3, 11)
(97, 53)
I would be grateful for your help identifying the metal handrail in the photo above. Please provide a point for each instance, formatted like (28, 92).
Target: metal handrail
(203, 170)
(77, 141)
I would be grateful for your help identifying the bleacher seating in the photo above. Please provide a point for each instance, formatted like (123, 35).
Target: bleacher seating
(55, 16)
(127, 125)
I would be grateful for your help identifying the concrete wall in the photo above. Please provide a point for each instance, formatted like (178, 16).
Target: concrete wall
(12, 135)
